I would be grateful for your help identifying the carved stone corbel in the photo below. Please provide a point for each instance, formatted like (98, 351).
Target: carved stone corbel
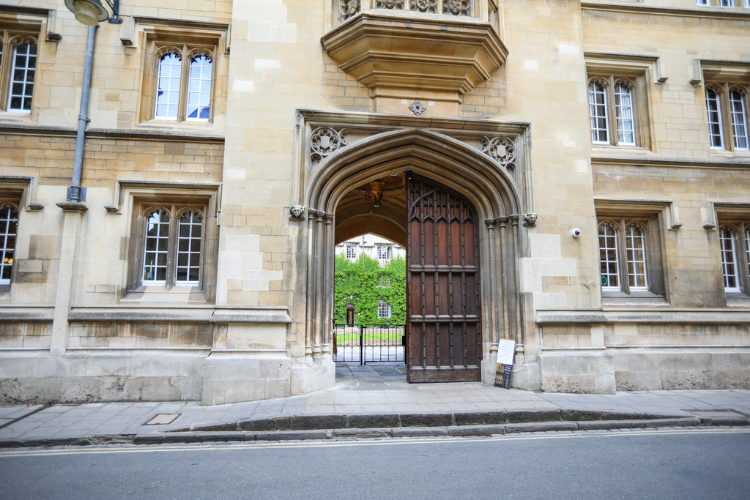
(297, 211)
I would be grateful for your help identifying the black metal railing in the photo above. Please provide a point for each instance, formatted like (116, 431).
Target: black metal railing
(368, 343)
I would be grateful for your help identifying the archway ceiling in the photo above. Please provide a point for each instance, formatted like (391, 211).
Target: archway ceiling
(356, 214)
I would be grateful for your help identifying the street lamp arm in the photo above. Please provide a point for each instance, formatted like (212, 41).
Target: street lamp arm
(114, 5)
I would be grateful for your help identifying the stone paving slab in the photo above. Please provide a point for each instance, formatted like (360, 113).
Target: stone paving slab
(10, 414)
(379, 395)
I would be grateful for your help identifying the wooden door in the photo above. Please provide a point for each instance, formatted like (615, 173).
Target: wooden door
(443, 309)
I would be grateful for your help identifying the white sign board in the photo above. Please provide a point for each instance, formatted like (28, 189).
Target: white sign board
(506, 350)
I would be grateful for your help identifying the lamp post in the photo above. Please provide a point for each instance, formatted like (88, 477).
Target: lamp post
(88, 13)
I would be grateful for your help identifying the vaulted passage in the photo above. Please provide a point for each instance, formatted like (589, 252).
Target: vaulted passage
(456, 212)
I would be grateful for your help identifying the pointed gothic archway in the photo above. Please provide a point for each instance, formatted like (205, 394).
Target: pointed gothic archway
(469, 174)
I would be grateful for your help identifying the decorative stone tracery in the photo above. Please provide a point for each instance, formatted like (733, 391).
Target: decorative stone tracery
(500, 149)
(457, 7)
(326, 141)
(389, 4)
(348, 8)
(428, 6)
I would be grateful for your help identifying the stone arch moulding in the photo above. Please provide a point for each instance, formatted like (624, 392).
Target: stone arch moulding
(494, 192)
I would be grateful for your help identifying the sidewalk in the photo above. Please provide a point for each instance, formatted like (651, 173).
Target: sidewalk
(373, 394)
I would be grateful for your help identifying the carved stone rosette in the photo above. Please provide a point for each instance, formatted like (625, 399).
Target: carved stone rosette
(326, 141)
(348, 8)
(500, 149)
(417, 108)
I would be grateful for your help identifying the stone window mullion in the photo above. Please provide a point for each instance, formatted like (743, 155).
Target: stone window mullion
(622, 257)
(726, 118)
(185, 74)
(172, 249)
(5, 60)
(742, 246)
(611, 111)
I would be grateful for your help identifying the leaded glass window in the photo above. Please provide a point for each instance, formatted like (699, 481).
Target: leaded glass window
(168, 86)
(635, 247)
(156, 248)
(598, 113)
(608, 257)
(8, 232)
(22, 76)
(384, 309)
(728, 259)
(624, 113)
(189, 238)
(199, 88)
(739, 120)
(713, 107)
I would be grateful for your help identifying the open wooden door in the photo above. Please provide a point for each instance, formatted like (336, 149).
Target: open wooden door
(443, 308)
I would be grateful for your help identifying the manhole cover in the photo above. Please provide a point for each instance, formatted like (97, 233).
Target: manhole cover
(163, 419)
(716, 413)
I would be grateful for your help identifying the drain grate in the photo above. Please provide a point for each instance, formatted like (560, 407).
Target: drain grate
(163, 419)
(716, 413)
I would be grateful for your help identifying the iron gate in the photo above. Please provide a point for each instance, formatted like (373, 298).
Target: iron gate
(368, 343)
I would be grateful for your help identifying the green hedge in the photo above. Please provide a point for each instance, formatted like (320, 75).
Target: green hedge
(359, 280)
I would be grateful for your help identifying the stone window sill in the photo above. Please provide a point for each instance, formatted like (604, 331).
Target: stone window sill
(164, 295)
(175, 125)
(738, 300)
(641, 299)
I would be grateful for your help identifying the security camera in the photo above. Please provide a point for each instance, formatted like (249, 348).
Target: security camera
(575, 233)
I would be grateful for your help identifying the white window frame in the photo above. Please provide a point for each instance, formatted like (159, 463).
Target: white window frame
(739, 127)
(608, 261)
(632, 261)
(200, 81)
(185, 81)
(386, 249)
(25, 81)
(732, 251)
(191, 224)
(384, 310)
(726, 3)
(4, 235)
(353, 249)
(174, 212)
(171, 79)
(620, 110)
(594, 117)
(717, 111)
(160, 225)
(702, 2)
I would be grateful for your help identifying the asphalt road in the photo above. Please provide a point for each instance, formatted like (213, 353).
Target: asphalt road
(635, 464)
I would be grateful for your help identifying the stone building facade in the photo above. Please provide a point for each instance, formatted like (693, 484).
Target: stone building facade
(602, 146)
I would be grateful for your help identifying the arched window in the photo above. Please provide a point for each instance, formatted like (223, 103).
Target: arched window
(22, 76)
(598, 112)
(713, 108)
(189, 234)
(738, 109)
(199, 88)
(624, 113)
(156, 248)
(8, 231)
(608, 258)
(728, 259)
(168, 86)
(635, 247)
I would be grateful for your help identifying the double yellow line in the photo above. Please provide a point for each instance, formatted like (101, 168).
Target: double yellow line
(92, 450)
